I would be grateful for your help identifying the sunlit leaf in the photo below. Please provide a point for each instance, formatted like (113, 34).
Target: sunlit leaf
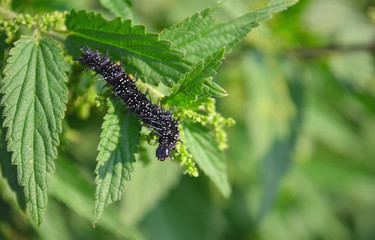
(34, 99)
(203, 146)
(118, 144)
(190, 86)
(143, 53)
(9, 171)
(201, 34)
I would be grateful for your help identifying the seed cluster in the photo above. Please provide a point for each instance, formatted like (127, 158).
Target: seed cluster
(158, 120)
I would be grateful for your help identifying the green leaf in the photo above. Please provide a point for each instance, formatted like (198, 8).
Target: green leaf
(120, 8)
(201, 34)
(271, 109)
(150, 184)
(274, 119)
(354, 69)
(213, 89)
(9, 171)
(118, 143)
(190, 86)
(69, 187)
(190, 206)
(34, 98)
(142, 52)
(4, 47)
(203, 146)
(56, 221)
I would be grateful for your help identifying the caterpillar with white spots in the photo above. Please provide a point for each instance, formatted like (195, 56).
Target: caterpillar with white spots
(159, 121)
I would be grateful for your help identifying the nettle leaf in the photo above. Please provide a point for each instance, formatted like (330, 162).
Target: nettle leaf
(201, 34)
(213, 89)
(118, 143)
(34, 97)
(143, 53)
(190, 86)
(203, 146)
(120, 8)
(9, 171)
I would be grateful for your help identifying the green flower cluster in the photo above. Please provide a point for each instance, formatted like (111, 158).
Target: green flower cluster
(185, 158)
(12, 23)
(207, 116)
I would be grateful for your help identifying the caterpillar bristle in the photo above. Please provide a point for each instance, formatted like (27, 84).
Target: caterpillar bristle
(152, 130)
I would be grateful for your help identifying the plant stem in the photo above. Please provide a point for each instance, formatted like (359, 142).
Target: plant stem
(55, 36)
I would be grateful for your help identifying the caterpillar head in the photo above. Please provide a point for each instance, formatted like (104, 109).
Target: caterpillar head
(163, 152)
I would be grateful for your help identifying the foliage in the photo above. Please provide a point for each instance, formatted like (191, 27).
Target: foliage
(297, 163)
(34, 98)
(117, 146)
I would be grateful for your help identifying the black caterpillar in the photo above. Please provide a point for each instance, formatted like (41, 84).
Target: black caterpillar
(158, 120)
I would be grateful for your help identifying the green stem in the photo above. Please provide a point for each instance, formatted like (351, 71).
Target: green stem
(55, 36)
(61, 31)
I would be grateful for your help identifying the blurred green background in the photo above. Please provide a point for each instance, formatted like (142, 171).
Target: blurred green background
(301, 156)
